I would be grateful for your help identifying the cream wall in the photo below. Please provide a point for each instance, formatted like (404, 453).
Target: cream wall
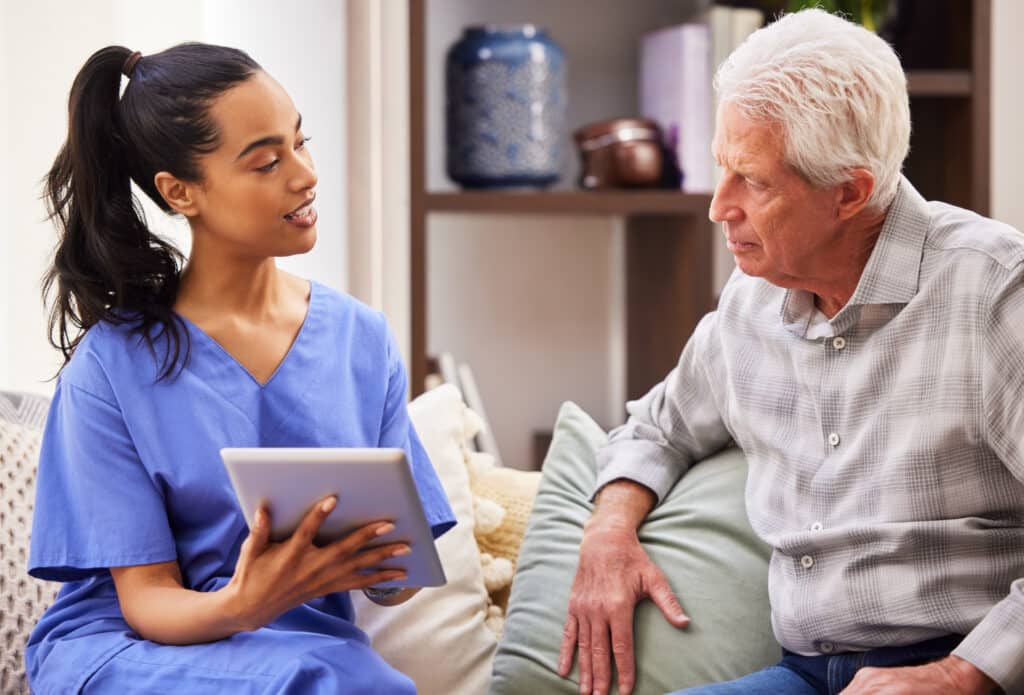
(1007, 164)
(5, 207)
(43, 43)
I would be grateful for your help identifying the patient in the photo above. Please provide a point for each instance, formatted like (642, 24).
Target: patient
(868, 358)
(166, 589)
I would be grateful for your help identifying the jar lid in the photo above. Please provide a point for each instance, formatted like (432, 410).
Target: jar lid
(528, 31)
(603, 133)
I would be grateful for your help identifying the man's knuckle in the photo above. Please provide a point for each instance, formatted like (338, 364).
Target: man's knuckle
(611, 607)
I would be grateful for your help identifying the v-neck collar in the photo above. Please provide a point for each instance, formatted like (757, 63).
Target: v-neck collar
(225, 355)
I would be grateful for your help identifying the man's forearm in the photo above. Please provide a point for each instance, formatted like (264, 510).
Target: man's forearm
(622, 504)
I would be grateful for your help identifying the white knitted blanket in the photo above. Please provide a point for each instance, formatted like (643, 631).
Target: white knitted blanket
(22, 599)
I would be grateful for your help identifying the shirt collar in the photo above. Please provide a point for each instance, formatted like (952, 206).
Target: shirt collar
(892, 272)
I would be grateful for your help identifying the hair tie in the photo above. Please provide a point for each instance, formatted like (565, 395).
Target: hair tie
(129, 64)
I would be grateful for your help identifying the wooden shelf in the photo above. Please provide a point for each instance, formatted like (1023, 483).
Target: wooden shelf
(939, 83)
(616, 202)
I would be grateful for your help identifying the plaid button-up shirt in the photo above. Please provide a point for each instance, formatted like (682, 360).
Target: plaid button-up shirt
(885, 459)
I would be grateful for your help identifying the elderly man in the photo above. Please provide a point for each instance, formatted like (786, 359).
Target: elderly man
(868, 357)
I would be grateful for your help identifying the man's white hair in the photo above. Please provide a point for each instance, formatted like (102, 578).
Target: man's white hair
(836, 89)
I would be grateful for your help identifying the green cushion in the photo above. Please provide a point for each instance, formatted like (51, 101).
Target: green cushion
(699, 536)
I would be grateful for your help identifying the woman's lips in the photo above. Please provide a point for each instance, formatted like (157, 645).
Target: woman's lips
(304, 216)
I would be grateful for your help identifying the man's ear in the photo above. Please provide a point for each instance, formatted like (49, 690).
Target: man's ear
(179, 194)
(854, 194)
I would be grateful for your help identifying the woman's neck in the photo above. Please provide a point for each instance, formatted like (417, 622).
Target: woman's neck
(218, 286)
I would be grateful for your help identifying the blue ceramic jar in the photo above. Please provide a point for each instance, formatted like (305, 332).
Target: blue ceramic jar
(505, 115)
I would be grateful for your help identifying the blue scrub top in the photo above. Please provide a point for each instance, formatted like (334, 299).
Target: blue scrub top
(130, 471)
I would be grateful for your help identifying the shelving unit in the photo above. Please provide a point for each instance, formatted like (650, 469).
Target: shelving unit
(571, 202)
(668, 244)
(668, 239)
(950, 111)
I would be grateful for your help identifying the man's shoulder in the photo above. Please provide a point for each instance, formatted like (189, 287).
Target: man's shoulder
(962, 233)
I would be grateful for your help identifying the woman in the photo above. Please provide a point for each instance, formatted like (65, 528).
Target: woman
(166, 590)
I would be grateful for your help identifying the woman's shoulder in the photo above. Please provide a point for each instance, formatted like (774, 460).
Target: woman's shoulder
(346, 311)
(107, 351)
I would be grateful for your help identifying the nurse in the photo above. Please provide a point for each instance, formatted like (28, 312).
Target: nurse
(165, 588)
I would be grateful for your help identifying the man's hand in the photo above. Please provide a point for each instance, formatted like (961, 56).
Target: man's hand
(614, 574)
(949, 676)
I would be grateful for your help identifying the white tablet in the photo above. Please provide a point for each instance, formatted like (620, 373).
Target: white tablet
(370, 484)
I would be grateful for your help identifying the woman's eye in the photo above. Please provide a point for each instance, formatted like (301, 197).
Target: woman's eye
(302, 143)
(267, 167)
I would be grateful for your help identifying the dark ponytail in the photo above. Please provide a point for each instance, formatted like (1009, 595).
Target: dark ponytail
(108, 265)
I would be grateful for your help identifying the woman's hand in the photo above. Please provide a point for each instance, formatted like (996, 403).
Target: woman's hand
(272, 578)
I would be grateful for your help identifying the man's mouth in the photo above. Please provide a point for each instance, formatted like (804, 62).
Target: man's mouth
(735, 245)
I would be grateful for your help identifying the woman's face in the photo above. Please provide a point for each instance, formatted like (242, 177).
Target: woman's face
(255, 199)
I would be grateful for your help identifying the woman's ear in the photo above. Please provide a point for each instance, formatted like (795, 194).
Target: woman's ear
(176, 193)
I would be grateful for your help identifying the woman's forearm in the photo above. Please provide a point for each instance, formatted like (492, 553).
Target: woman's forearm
(167, 613)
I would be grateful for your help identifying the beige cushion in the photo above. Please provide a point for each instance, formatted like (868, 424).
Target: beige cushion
(22, 598)
(509, 493)
(438, 638)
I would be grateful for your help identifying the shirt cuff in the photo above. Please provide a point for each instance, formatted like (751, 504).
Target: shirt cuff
(996, 644)
(641, 461)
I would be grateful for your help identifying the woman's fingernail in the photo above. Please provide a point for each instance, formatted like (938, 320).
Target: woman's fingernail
(386, 528)
(329, 504)
(404, 550)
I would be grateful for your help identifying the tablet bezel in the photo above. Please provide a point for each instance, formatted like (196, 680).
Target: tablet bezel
(371, 485)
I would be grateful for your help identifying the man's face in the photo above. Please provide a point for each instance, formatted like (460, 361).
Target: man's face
(777, 226)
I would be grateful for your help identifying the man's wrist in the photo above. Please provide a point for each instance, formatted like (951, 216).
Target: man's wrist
(621, 505)
(969, 678)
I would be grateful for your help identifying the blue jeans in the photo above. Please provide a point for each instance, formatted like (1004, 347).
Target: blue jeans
(826, 675)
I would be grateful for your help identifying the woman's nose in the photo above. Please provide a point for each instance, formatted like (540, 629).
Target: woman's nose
(305, 173)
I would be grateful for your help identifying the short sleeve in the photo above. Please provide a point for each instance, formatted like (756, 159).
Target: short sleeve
(96, 505)
(397, 431)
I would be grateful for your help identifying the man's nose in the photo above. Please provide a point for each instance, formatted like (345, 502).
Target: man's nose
(723, 208)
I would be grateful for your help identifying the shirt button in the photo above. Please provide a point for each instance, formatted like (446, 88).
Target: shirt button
(833, 439)
(839, 342)
(807, 561)
(827, 647)
(817, 526)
